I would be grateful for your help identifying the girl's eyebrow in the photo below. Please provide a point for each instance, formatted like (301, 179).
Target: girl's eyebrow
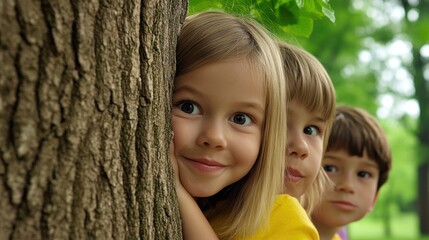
(245, 104)
(253, 105)
(187, 88)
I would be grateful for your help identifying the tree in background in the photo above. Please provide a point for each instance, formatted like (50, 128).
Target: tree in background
(415, 28)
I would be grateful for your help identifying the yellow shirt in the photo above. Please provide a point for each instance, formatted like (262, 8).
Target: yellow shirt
(336, 237)
(288, 220)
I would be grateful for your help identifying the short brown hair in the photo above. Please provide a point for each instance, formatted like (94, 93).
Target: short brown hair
(357, 132)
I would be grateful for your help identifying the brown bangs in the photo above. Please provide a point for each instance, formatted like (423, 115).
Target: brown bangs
(357, 132)
(347, 135)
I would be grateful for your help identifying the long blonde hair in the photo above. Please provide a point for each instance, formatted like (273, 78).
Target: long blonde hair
(243, 207)
(308, 83)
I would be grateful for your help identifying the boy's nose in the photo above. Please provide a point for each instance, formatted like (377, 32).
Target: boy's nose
(345, 183)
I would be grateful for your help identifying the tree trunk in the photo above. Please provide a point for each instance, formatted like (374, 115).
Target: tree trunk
(421, 87)
(423, 198)
(85, 90)
(422, 96)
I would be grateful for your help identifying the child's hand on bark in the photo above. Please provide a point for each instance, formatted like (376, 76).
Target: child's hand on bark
(175, 165)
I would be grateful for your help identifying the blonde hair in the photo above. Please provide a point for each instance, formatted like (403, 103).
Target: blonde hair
(243, 207)
(309, 84)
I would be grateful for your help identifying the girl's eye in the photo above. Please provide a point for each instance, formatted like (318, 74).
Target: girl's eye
(189, 108)
(241, 119)
(364, 174)
(311, 130)
(329, 168)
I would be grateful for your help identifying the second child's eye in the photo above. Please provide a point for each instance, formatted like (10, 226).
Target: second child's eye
(241, 119)
(311, 130)
(329, 168)
(189, 108)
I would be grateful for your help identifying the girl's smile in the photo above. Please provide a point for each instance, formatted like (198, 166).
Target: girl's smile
(206, 165)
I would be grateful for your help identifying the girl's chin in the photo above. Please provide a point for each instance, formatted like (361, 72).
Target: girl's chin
(201, 192)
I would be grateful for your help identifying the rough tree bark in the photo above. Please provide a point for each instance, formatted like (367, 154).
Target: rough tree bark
(84, 119)
(422, 96)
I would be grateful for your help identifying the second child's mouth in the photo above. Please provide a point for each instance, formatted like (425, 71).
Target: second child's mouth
(293, 174)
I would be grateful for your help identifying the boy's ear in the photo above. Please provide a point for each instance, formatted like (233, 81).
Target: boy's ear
(373, 201)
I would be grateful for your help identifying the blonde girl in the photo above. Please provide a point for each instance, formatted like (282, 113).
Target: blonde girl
(229, 125)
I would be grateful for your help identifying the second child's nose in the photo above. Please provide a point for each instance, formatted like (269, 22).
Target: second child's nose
(212, 134)
(296, 146)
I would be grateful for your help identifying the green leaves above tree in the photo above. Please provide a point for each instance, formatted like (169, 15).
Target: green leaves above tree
(285, 18)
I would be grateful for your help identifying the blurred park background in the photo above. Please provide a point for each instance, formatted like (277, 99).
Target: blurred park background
(377, 54)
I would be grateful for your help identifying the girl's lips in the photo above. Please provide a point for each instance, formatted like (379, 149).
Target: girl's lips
(205, 165)
(293, 174)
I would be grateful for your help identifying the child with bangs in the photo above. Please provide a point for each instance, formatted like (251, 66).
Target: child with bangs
(229, 137)
(310, 113)
(358, 161)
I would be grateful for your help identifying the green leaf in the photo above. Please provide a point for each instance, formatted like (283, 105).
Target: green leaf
(299, 3)
(286, 16)
(303, 28)
(329, 13)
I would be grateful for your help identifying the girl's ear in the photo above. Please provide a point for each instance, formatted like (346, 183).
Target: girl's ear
(373, 201)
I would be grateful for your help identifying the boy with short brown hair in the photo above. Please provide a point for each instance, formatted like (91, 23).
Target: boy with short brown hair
(358, 161)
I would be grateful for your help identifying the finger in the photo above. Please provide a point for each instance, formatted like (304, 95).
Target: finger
(171, 150)
(173, 159)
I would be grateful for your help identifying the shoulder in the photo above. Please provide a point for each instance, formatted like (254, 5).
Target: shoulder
(288, 220)
(285, 199)
(336, 237)
(289, 212)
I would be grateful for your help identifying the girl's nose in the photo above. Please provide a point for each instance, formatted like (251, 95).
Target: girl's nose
(212, 135)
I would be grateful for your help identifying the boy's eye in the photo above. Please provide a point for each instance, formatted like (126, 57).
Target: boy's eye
(311, 130)
(241, 119)
(364, 174)
(329, 168)
(189, 108)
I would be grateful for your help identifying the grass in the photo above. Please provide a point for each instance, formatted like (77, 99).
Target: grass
(403, 227)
